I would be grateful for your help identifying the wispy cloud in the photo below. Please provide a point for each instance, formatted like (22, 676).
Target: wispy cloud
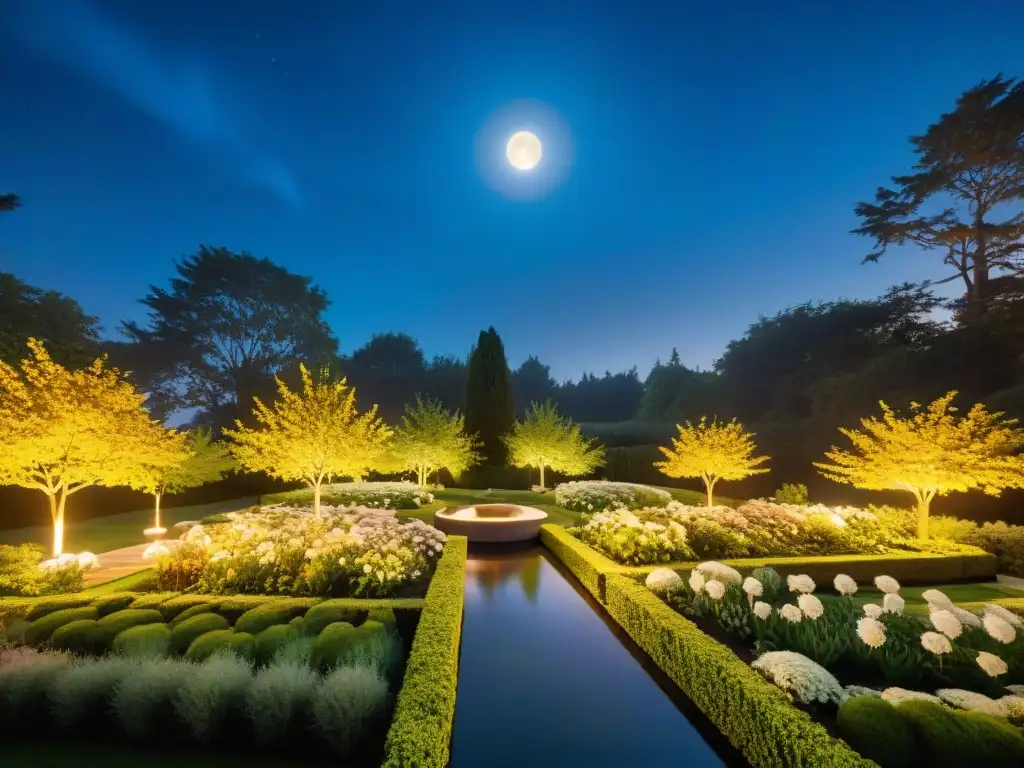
(88, 40)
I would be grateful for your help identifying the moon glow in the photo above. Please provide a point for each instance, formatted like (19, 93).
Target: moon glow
(523, 150)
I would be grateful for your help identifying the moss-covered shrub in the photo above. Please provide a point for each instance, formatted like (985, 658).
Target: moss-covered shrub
(876, 729)
(950, 739)
(188, 613)
(152, 600)
(53, 604)
(210, 643)
(145, 641)
(187, 631)
(76, 636)
(173, 607)
(39, 631)
(115, 602)
(334, 642)
(113, 624)
(271, 640)
(329, 612)
(267, 615)
(232, 608)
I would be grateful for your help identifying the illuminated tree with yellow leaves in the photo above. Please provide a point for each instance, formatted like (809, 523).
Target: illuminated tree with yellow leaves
(313, 435)
(930, 452)
(432, 438)
(544, 439)
(712, 451)
(64, 430)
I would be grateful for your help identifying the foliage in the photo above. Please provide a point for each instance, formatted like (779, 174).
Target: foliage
(432, 438)
(267, 615)
(311, 436)
(286, 550)
(490, 408)
(277, 698)
(270, 642)
(39, 630)
(347, 703)
(220, 642)
(56, 320)
(544, 439)
(791, 493)
(187, 631)
(86, 690)
(147, 641)
(930, 452)
(421, 729)
(875, 729)
(63, 430)
(949, 738)
(1004, 541)
(805, 680)
(208, 698)
(385, 495)
(629, 539)
(597, 495)
(712, 451)
(228, 324)
(21, 575)
(143, 699)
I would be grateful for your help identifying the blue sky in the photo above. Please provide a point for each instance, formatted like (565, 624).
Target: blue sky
(702, 162)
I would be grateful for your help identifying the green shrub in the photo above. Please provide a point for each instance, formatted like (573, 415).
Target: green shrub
(791, 493)
(299, 623)
(173, 607)
(232, 608)
(77, 636)
(279, 611)
(952, 528)
(299, 650)
(385, 616)
(271, 640)
(114, 602)
(277, 701)
(24, 686)
(212, 695)
(370, 644)
(81, 698)
(188, 613)
(586, 565)
(877, 730)
(996, 742)
(39, 631)
(50, 605)
(152, 601)
(20, 573)
(333, 643)
(1004, 541)
(420, 733)
(187, 631)
(347, 704)
(144, 701)
(218, 641)
(329, 612)
(145, 641)
(113, 624)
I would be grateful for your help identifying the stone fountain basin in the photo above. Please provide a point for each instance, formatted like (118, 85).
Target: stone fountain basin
(492, 522)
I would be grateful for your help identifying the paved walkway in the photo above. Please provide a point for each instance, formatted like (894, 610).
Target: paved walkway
(121, 562)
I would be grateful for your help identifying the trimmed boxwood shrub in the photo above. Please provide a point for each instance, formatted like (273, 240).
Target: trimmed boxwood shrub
(188, 613)
(187, 631)
(111, 603)
(39, 631)
(144, 640)
(329, 612)
(385, 616)
(210, 643)
(267, 615)
(176, 605)
(950, 739)
(76, 636)
(876, 729)
(299, 623)
(586, 564)
(232, 608)
(272, 639)
(153, 600)
(53, 604)
(333, 643)
(113, 624)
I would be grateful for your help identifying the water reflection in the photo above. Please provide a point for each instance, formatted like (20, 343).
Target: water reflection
(544, 681)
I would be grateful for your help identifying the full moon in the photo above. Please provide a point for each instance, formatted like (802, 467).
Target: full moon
(523, 150)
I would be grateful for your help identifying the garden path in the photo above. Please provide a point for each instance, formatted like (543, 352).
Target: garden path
(120, 562)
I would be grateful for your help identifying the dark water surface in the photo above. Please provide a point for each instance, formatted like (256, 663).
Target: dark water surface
(545, 681)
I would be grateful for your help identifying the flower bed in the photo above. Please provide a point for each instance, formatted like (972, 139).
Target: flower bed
(400, 495)
(596, 495)
(25, 571)
(346, 551)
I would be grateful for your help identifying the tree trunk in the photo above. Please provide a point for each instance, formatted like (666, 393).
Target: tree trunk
(542, 476)
(57, 515)
(709, 485)
(156, 519)
(923, 504)
(316, 498)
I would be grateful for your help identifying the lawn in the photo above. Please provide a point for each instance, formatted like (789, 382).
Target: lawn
(967, 596)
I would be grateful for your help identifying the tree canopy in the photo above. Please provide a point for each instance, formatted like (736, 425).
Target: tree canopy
(313, 435)
(931, 451)
(544, 439)
(490, 408)
(432, 438)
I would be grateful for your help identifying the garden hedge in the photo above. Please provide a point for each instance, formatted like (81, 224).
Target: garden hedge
(585, 563)
(420, 734)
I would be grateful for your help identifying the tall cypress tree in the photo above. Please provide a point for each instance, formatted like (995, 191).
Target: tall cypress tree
(490, 407)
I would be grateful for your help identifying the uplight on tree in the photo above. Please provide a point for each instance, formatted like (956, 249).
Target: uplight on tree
(544, 439)
(313, 435)
(433, 438)
(930, 452)
(712, 451)
(63, 430)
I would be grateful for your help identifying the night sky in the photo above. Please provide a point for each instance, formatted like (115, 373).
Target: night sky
(702, 159)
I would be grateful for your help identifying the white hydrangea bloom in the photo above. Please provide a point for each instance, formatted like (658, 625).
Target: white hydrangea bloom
(1013, 707)
(810, 606)
(893, 603)
(853, 691)
(715, 589)
(720, 572)
(873, 610)
(946, 623)
(663, 580)
(871, 632)
(1008, 616)
(805, 680)
(966, 617)
(999, 628)
(696, 581)
(753, 587)
(935, 643)
(977, 702)
(897, 696)
(791, 613)
(762, 610)
(800, 583)
(845, 585)
(991, 664)
(937, 599)
(887, 584)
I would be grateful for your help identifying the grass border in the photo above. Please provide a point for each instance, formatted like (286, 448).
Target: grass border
(421, 730)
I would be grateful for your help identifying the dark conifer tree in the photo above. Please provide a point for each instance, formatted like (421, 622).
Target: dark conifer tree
(490, 406)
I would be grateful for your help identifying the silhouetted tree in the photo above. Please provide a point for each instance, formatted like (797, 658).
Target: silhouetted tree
(531, 383)
(445, 381)
(490, 407)
(70, 336)
(388, 370)
(9, 202)
(610, 398)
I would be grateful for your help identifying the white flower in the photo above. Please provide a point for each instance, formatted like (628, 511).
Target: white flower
(66, 559)
(873, 610)
(871, 632)
(753, 587)
(1008, 616)
(844, 584)
(696, 581)
(966, 617)
(810, 605)
(367, 568)
(48, 565)
(721, 572)
(800, 583)
(897, 696)
(663, 580)
(991, 664)
(805, 680)
(762, 610)
(791, 613)
(341, 561)
(999, 628)
(946, 623)
(977, 702)
(893, 603)
(1013, 707)
(715, 589)
(935, 643)
(887, 584)
(155, 550)
(937, 599)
